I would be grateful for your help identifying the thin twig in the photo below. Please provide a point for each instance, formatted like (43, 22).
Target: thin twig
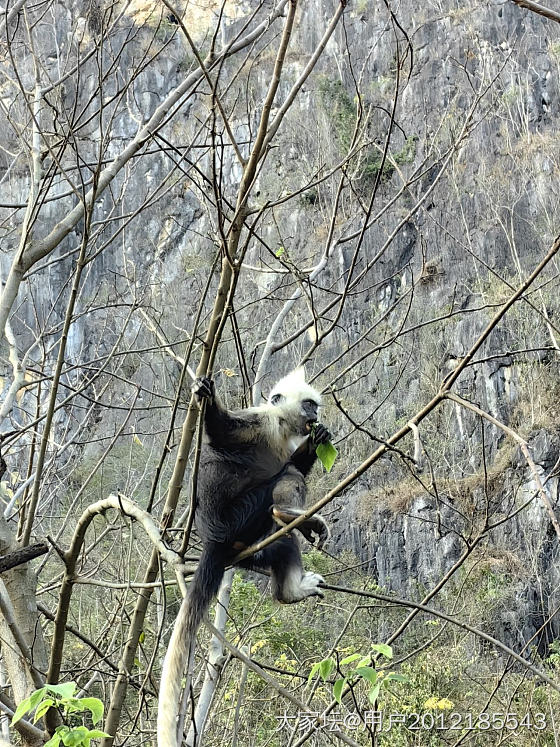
(541, 492)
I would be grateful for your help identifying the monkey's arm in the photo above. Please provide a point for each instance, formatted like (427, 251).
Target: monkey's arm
(222, 427)
(304, 456)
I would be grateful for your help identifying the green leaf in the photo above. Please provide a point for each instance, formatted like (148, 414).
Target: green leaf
(338, 687)
(28, 704)
(42, 708)
(36, 697)
(383, 649)
(314, 670)
(21, 710)
(58, 736)
(141, 637)
(326, 667)
(95, 706)
(72, 705)
(279, 252)
(368, 673)
(75, 737)
(374, 693)
(349, 659)
(54, 741)
(327, 454)
(65, 690)
(395, 677)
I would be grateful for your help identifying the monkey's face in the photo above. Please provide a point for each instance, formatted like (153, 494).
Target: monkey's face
(297, 402)
(299, 413)
(309, 410)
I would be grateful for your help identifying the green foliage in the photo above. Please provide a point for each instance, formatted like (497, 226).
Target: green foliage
(70, 733)
(317, 561)
(442, 671)
(554, 654)
(373, 161)
(342, 112)
(280, 630)
(341, 109)
(490, 586)
(362, 672)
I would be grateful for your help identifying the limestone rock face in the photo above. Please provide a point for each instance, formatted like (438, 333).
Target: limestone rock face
(466, 205)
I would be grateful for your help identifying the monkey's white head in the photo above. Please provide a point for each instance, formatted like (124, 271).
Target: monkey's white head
(296, 400)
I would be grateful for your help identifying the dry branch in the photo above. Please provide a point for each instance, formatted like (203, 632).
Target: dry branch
(272, 683)
(445, 387)
(127, 508)
(18, 557)
(540, 9)
(541, 492)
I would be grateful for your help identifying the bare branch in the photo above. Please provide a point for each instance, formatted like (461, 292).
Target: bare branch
(540, 9)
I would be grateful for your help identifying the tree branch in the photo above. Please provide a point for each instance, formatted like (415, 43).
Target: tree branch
(540, 9)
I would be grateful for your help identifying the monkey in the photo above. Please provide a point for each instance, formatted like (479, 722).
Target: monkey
(251, 477)
(250, 468)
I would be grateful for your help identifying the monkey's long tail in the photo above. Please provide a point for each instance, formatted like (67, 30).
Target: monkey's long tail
(204, 585)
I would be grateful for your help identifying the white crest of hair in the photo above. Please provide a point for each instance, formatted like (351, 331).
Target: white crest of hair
(294, 388)
(278, 425)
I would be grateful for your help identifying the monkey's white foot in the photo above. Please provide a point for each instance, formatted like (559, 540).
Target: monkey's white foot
(310, 584)
(298, 586)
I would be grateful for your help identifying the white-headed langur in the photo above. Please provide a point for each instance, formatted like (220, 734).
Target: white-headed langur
(251, 477)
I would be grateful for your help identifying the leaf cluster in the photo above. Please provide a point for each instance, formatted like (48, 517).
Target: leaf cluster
(361, 671)
(62, 698)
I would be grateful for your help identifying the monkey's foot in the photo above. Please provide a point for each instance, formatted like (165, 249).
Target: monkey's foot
(296, 588)
(310, 584)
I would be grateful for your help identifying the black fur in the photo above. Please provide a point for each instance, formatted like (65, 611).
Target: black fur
(206, 580)
(248, 483)
(245, 487)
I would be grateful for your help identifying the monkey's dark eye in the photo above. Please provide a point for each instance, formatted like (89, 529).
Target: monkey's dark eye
(276, 399)
(310, 403)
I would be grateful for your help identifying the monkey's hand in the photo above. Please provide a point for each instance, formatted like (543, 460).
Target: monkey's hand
(320, 435)
(203, 388)
(315, 530)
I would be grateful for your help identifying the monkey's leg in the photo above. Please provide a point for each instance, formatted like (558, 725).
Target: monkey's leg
(290, 583)
(314, 528)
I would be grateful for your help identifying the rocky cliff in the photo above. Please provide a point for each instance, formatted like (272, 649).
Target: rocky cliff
(420, 161)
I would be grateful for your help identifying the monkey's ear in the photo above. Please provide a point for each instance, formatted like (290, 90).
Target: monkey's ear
(299, 373)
